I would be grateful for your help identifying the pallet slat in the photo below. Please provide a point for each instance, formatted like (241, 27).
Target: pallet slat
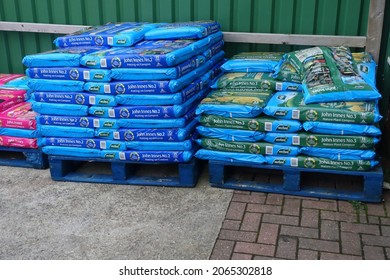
(23, 157)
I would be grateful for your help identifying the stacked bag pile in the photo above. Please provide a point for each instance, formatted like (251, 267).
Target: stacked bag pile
(17, 120)
(338, 107)
(232, 122)
(125, 91)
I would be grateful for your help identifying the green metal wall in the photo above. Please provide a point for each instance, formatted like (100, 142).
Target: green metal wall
(329, 17)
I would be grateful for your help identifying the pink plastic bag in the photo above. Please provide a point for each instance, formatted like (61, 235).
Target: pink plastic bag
(19, 142)
(11, 97)
(19, 116)
(5, 78)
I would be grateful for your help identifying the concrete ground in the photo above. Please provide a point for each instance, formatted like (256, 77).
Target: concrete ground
(44, 219)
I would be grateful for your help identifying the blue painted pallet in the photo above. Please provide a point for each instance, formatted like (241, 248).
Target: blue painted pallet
(321, 183)
(111, 171)
(23, 157)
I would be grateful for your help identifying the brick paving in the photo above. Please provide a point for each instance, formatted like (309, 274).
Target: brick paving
(263, 226)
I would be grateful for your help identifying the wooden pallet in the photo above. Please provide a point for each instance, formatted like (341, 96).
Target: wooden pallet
(23, 157)
(322, 183)
(111, 171)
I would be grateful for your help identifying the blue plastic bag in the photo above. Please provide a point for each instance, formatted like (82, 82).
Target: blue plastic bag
(230, 157)
(69, 57)
(149, 156)
(184, 30)
(175, 72)
(341, 128)
(338, 154)
(59, 109)
(79, 98)
(230, 134)
(111, 34)
(19, 132)
(91, 122)
(214, 49)
(252, 62)
(186, 145)
(90, 143)
(66, 131)
(366, 66)
(55, 85)
(71, 151)
(69, 73)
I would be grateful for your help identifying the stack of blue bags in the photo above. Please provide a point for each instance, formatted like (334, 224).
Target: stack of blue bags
(125, 91)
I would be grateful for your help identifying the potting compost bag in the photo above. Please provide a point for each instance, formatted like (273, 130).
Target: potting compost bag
(59, 109)
(232, 103)
(55, 85)
(229, 156)
(322, 140)
(18, 142)
(230, 134)
(17, 81)
(255, 124)
(68, 57)
(71, 151)
(338, 154)
(342, 129)
(159, 73)
(148, 112)
(90, 143)
(110, 34)
(91, 122)
(80, 98)
(290, 105)
(322, 163)
(252, 62)
(256, 80)
(69, 73)
(19, 132)
(185, 145)
(149, 156)
(366, 66)
(19, 116)
(261, 148)
(150, 54)
(184, 30)
(10, 97)
(147, 134)
(285, 72)
(213, 50)
(183, 121)
(66, 131)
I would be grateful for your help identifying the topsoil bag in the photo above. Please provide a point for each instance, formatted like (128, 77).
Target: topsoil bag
(183, 30)
(253, 62)
(290, 105)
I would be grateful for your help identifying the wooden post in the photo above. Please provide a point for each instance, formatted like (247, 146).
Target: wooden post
(374, 27)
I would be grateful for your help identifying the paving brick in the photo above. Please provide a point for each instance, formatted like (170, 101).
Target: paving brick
(319, 245)
(261, 208)
(307, 254)
(249, 198)
(385, 231)
(236, 235)
(287, 248)
(242, 192)
(274, 199)
(373, 253)
(345, 206)
(268, 233)
(388, 253)
(251, 222)
(231, 224)
(350, 243)
(373, 240)
(299, 231)
(360, 228)
(254, 249)
(373, 220)
(291, 207)
(330, 230)
(338, 216)
(280, 219)
(309, 218)
(320, 205)
(265, 258)
(222, 250)
(301, 197)
(376, 209)
(385, 221)
(235, 211)
(332, 256)
(238, 256)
